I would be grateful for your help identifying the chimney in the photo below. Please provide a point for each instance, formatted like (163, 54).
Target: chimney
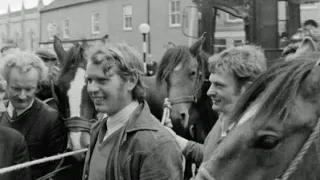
(22, 9)
(40, 5)
(9, 9)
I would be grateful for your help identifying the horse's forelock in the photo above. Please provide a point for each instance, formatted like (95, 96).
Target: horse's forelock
(170, 60)
(75, 57)
(281, 82)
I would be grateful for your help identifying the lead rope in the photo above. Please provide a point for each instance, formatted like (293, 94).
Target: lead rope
(298, 159)
(165, 120)
(40, 161)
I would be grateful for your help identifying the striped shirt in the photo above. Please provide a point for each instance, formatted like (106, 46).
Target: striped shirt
(118, 120)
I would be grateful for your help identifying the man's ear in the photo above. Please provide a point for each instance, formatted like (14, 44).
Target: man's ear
(132, 82)
(245, 86)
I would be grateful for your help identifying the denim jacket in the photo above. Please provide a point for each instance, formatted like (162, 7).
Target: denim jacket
(145, 150)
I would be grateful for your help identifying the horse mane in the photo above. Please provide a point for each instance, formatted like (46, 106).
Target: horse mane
(275, 90)
(171, 58)
(74, 58)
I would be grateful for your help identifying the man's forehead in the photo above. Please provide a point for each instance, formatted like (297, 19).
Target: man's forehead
(219, 72)
(101, 70)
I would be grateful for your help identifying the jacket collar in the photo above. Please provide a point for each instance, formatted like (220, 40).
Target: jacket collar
(141, 119)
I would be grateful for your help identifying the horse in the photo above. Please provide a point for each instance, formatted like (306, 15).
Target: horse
(70, 98)
(277, 123)
(184, 75)
(296, 43)
(183, 71)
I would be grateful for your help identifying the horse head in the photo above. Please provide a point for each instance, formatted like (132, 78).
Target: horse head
(304, 38)
(274, 120)
(70, 93)
(184, 70)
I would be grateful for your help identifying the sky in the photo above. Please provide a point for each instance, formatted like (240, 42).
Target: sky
(16, 4)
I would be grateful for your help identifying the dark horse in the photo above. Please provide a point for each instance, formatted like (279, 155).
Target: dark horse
(183, 71)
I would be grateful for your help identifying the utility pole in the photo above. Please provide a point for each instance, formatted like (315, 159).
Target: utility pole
(207, 24)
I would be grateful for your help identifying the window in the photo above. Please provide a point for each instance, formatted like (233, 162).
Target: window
(220, 45)
(95, 23)
(232, 18)
(238, 43)
(174, 13)
(127, 17)
(66, 28)
(52, 30)
(308, 6)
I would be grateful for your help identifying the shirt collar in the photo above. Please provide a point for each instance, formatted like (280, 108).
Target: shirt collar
(10, 109)
(224, 132)
(120, 118)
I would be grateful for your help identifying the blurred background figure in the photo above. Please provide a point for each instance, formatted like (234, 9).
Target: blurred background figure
(310, 24)
(9, 47)
(105, 39)
(44, 88)
(3, 86)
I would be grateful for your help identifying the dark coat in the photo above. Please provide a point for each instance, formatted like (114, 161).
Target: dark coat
(145, 150)
(44, 132)
(13, 150)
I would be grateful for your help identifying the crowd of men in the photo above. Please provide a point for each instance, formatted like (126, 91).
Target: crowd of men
(128, 141)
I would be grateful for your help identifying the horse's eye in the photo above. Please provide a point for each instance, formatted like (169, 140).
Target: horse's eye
(267, 142)
(193, 73)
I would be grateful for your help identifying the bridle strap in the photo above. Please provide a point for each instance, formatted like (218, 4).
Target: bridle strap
(299, 157)
(78, 124)
(184, 99)
(196, 91)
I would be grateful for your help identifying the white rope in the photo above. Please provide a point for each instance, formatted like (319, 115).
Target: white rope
(165, 120)
(40, 161)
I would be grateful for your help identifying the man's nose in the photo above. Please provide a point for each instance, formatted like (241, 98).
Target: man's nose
(211, 91)
(92, 87)
(23, 94)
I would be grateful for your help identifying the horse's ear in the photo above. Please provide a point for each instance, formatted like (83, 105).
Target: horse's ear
(170, 45)
(307, 45)
(58, 48)
(194, 49)
(85, 43)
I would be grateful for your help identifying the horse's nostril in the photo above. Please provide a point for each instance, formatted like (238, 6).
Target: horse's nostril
(183, 116)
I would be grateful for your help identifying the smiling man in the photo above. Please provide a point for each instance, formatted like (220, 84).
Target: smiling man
(231, 72)
(40, 125)
(128, 142)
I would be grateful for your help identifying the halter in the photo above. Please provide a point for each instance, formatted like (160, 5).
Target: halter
(72, 123)
(194, 98)
(299, 157)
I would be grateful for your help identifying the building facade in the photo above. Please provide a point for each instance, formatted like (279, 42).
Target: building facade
(21, 27)
(120, 19)
(169, 20)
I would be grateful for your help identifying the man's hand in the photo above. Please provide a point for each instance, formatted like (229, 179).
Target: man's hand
(182, 142)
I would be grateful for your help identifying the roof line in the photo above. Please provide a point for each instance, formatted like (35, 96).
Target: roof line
(70, 5)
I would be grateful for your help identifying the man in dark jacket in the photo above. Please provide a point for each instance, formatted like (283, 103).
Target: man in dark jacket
(37, 122)
(13, 150)
(128, 142)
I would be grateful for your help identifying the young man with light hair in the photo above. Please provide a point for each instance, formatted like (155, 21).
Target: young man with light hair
(127, 142)
(231, 72)
(40, 125)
